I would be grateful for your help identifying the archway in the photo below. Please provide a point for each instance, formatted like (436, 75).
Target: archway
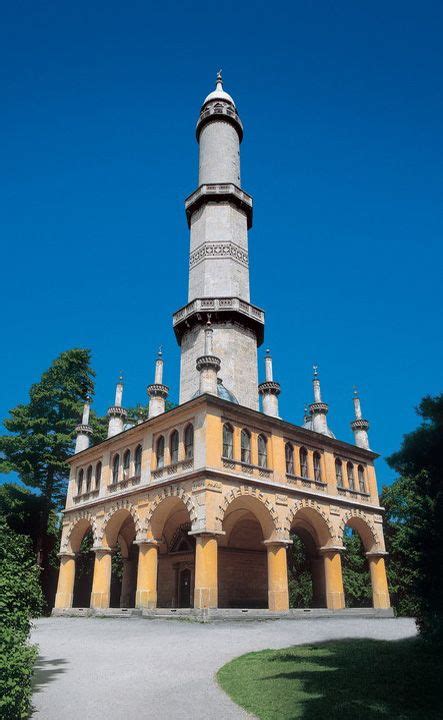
(242, 555)
(358, 539)
(119, 535)
(81, 542)
(306, 575)
(170, 525)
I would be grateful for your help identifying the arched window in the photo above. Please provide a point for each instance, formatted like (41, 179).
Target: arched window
(138, 461)
(115, 468)
(350, 471)
(228, 441)
(317, 467)
(80, 482)
(173, 446)
(160, 452)
(189, 442)
(361, 479)
(289, 458)
(245, 446)
(304, 462)
(126, 462)
(88, 479)
(339, 473)
(98, 475)
(262, 446)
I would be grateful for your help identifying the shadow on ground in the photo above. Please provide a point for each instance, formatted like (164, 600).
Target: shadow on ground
(45, 671)
(364, 679)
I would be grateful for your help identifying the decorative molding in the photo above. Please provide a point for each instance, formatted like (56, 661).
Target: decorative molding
(308, 504)
(358, 515)
(168, 492)
(115, 507)
(79, 515)
(248, 491)
(218, 251)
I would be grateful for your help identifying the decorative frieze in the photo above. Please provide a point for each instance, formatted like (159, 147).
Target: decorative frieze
(217, 251)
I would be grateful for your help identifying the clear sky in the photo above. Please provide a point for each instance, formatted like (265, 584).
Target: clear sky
(342, 108)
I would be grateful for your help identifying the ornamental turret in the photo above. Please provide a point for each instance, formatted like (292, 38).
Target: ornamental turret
(219, 214)
(360, 426)
(318, 410)
(208, 364)
(84, 430)
(269, 389)
(116, 413)
(157, 392)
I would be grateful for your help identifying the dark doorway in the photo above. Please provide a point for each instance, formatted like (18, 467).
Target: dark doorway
(184, 588)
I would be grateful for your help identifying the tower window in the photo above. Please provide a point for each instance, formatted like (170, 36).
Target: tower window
(361, 479)
(317, 467)
(115, 469)
(88, 479)
(339, 473)
(160, 454)
(228, 441)
(126, 462)
(80, 482)
(245, 442)
(98, 475)
(173, 446)
(138, 461)
(304, 462)
(289, 458)
(351, 480)
(189, 442)
(262, 451)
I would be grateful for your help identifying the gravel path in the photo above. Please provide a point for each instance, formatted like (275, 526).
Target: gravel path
(117, 669)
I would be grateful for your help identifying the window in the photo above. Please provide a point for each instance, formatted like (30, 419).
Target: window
(304, 462)
(339, 473)
(228, 441)
(115, 469)
(173, 446)
(88, 479)
(98, 475)
(262, 451)
(160, 452)
(289, 458)
(138, 461)
(245, 443)
(126, 462)
(189, 442)
(317, 467)
(80, 482)
(361, 479)
(351, 481)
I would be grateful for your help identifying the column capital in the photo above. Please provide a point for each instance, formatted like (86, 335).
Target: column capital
(376, 554)
(102, 550)
(331, 549)
(65, 554)
(278, 542)
(147, 541)
(207, 532)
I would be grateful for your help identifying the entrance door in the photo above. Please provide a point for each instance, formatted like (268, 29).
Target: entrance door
(184, 588)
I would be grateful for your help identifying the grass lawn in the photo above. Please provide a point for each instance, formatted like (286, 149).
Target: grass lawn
(340, 680)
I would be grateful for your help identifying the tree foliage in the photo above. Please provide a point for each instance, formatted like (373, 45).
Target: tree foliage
(356, 578)
(419, 463)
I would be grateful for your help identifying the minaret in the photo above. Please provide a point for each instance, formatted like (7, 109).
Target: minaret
(219, 214)
(359, 426)
(269, 390)
(318, 408)
(157, 392)
(208, 364)
(84, 430)
(116, 413)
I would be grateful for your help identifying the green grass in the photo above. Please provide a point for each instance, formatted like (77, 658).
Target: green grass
(341, 680)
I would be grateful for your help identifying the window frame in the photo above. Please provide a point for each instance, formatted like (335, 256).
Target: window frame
(316, 460)
(289, 458)
(138, 460)
(228, 441)
(160, 457)
(245, 446)
(303, 456)
(173, 450)
(115, 468)
(189, 446)
(262, 455)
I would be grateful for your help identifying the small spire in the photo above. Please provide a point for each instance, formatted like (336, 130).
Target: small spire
(219, 81)
(160, 352)
(315, 369)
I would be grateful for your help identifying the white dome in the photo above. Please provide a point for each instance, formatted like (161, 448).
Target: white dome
(219, 93)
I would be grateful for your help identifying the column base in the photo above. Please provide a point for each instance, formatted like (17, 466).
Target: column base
(100, 601)
(335, 600)
(278, 600)
(145, 600)
(63, 600)
(205, 598)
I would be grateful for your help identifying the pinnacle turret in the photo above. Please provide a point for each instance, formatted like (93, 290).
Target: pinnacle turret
(116, 413)
(359, 425)
(83, 430)
(269, 390)
(157, 392)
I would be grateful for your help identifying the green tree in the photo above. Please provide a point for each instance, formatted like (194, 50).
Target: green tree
(356, 579)
(41, 435)
(299, 574)
(419, 463)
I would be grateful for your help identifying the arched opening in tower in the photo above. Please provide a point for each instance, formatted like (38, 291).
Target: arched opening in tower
(120, 536)
(171, 524)
(84, 571)
(355, 568)
(306, 576)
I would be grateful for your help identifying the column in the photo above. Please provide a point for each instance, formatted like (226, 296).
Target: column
(101, 583)
(335, 596)
(206, 580)
(278, 595)
(146, 593)
(380, 591)
(66, 577)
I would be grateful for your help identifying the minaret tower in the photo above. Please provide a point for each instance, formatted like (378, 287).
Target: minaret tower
(157, 392)
(359, 426)
(219, 214)
(269, 389)
(318, 408)
(116, 413)
(84, 430)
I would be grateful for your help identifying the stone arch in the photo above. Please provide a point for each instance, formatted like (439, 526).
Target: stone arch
(358, 521)
(250, 498)
(117, 510)
(77, 528)
(161, 507)
(310, 513)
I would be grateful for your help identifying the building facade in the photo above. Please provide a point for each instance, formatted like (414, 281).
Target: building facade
(202, 501)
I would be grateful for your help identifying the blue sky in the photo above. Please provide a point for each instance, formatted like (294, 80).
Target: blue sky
(342, 108)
